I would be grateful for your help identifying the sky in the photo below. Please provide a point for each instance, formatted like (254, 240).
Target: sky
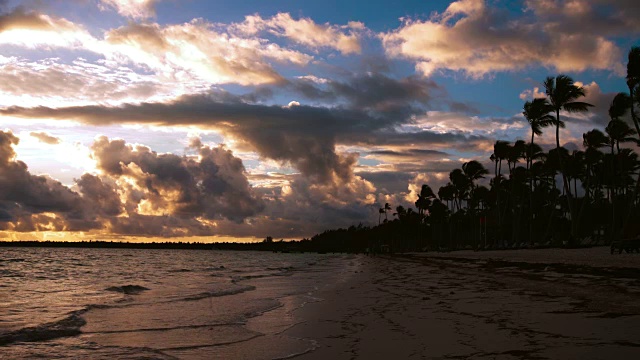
(232, 121)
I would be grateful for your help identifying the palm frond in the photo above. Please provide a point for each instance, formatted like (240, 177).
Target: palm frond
(619, 106)
(633, 67)
(576, 106)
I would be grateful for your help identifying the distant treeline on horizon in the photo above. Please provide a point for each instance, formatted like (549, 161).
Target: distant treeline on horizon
(292, 245)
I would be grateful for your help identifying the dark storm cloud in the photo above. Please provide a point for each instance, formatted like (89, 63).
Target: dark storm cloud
(101, 193)
(393, 182)
(373, 91)
(382, 93)
(303, 136)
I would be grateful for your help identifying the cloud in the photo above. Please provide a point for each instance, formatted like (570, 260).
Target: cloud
(215, 186)
(34, 30)
(390, 182)
(195, 50)
(477, 39)
(49, 82)
(598, 17)
(137, 9)
(530, 94)
(46, 138)
(305, 31)
(375, 93)
(193, 53)
(302, 136)
(452, 122)
(27, 198)
(138, 192)
(143, 193)
(597, 115)
(302, 208)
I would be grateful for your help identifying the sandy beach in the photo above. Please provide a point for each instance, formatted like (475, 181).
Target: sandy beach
(540, 304)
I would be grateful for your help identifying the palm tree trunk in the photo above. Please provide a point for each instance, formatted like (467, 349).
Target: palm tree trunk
(565, 182)
(613, 234)
(637, 188)
(529, 165)
(634, 117)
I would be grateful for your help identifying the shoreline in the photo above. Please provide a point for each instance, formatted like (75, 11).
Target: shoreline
(428, 305)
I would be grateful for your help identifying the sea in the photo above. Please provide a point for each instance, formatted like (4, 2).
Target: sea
(90, 303)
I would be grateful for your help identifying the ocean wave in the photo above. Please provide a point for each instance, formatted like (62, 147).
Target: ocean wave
(127, 289)
(12, 260)
(281, 268)
(215, 268)
(10, 273)
(69, 326)
(180, 270)
(208, 294)
(236, 279)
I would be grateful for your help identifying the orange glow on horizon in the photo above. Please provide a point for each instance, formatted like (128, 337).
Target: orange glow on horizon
(86, 236)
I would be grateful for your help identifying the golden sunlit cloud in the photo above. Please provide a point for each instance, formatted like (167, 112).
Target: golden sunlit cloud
(459, 40)
(137, 9)
(305, 31)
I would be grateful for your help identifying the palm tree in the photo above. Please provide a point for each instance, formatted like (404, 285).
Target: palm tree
(633, 80)
(592, 141)
(537, 114)
(424, 199)
(474, 170)
(633, 83)
(401, 212)
(620, 104)
(562, 94)
(618, 132)
(447, 193)
(461, 186)
(516, 152)
(500, 152)
(387, 207)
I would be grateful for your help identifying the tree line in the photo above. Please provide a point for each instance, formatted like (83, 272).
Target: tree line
(533, 198)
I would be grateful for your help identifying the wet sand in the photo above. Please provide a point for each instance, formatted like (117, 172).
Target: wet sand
(530, 304)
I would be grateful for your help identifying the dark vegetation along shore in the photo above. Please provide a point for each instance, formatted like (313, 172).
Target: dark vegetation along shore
(533, 199)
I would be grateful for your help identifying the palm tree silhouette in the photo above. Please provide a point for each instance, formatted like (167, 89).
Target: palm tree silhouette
(562, 94)
(387, 207)
(633, 80)
(425, 198)
(618, 132)
(474, 170)
(592, 140)
(537, 114)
